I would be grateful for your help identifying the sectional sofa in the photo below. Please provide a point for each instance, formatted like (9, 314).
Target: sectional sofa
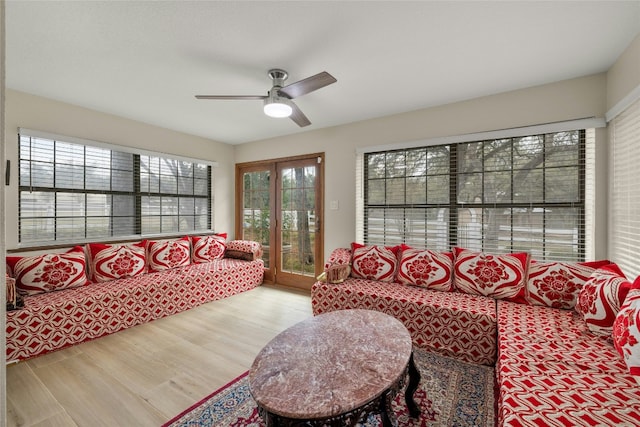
(563, 336)
(60, 299)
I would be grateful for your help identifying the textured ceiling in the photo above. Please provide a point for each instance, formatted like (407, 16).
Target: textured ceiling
(147, 60)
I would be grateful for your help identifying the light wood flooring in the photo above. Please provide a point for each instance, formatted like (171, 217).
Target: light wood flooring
(144, 376)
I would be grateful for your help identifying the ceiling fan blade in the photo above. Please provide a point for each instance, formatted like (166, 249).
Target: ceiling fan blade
(240, 97)
(298, 116)
(307, 85)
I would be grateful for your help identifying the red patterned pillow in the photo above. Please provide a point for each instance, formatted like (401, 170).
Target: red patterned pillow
(601, 297)
(426, 268)
(167, 254)
(374, 262)
(111, 262)
(496, 276)
(557, 284)
(208, 248)
(626, 332)
(50, 272)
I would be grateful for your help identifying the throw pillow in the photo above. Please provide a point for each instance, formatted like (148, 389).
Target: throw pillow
(426, 268)
(601, 297)
(207, 248)
(557, 284)
(496, 276)
(626, 332)
(111, 262)
(50, 272)
(168, 254)
(374, 262)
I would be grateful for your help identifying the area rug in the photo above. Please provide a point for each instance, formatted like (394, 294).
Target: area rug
(451, 393)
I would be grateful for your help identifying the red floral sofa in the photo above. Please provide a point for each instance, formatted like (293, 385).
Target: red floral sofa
(100, 289)
(563, 336)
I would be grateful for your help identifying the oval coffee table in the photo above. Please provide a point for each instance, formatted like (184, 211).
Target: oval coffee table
(335, 369)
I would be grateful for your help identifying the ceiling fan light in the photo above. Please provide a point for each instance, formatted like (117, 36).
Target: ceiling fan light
(277, 107)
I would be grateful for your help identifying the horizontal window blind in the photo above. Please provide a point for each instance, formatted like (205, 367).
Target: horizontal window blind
(523, 193)
(72, 192)
(624, 191)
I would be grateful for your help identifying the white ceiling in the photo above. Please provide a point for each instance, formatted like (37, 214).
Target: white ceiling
(147, 60)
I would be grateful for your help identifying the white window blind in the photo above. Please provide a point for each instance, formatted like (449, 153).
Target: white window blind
(72, 191)
(624, 191)
(523, 193)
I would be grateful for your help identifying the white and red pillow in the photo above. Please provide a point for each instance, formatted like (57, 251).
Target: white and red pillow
(111, 262)
(426, 268)
(208, 248)
(374, 262)
(497, 276)
(601, 297)
(168, 254)
(557, 284)
(626, 332)
(50, 272)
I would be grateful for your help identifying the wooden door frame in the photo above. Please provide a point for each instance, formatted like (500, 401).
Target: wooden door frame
(272, 166)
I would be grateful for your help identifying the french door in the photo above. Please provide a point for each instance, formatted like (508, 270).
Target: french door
(279, 204)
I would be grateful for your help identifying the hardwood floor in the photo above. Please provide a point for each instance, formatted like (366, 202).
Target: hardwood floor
(145, 375)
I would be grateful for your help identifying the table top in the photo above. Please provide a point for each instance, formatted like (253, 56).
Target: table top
(330, 364)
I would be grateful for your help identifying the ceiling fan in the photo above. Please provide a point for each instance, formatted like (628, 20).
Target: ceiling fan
(277, 102)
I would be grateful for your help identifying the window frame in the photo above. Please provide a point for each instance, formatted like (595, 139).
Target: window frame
(135, 229)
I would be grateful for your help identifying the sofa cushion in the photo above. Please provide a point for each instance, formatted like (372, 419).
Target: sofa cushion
(449, 323)
(166, 254)
(59, 319)
(110, 262)
(208, 248)
(556, 284)
(552, 371)
(374, 262)
(601, 297)
(426, 268)
(49, 272)
(496, 276)
(626, 332)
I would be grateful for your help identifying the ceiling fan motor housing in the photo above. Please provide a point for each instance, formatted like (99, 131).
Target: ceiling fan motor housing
(278, 76)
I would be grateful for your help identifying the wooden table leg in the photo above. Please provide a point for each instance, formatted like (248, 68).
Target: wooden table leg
(414, 380)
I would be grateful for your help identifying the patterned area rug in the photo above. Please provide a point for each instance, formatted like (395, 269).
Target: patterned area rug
(451, 393)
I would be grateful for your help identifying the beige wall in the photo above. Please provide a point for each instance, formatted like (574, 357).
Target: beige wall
(37, 113)
(566, 100)
(624, 76)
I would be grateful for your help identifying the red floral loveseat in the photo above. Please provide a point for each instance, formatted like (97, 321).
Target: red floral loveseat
(88, 292)
(563, 336)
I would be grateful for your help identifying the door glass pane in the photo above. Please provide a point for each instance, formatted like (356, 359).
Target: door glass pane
(298, 220)
(255, 213)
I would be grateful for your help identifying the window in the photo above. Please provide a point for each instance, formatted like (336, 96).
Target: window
(624, 192)
(72, 192)
(524, 193)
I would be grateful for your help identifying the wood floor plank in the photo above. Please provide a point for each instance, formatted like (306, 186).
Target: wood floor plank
(145, 375)
(91, 396)
(27, 387)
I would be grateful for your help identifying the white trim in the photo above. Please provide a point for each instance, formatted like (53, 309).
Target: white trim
(623, 104)
(585, 123)
(115, 147)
